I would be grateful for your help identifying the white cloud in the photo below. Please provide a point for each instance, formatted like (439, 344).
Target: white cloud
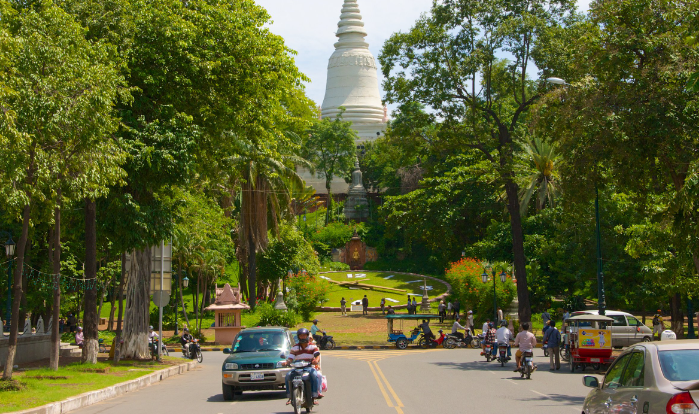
(309, 26)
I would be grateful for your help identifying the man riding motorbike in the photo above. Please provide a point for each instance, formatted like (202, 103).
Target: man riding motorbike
(425, 326)
(152, 334)
(490, 337)
(304, 351)
(504, 336)
(185, 341)
(526, 341)
(455, 329)
(314, 332)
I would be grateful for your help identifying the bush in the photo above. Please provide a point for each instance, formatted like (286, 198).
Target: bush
(334, 266)
(306, 292)
(334, 236)
(467, 285)
(287, 251)
(273, 317)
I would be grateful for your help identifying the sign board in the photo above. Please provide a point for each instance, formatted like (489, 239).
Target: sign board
(159, 258)
(161, 298)
(594, 338)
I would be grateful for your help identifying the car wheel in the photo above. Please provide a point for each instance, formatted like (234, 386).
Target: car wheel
(402, 343)
(647, 339)
(228, 392)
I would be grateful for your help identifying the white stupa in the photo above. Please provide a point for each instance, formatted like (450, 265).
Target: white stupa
(352, 78)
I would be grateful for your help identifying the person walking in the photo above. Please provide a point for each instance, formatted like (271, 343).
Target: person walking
(449, 307)
(343, 306)
(383, 306)
(658, 324)
(72, 323)
(469, 322)
(545, 316)
(410, 306)
(414, 306)
(456, 307)
(365, 305)
(390, 310)
(442, 311)
(552, 340)
(501, 316)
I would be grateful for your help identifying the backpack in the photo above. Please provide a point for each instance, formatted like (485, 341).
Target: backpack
(656, 321)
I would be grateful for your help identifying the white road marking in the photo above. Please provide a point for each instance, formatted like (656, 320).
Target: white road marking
(509, 380)
(547, 397)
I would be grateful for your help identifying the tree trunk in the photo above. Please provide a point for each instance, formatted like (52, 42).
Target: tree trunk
(195, 303)
(25, 287)
(252, 269)
(525, 310)
(19, 266)
(120, 293)
(677, 315)
(90, 318)
(56, 259)
(112, 299)
(330, 202)
(137, 307)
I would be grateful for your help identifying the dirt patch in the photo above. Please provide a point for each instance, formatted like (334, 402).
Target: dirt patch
(47, 377)
(95, 370)
(12, 385)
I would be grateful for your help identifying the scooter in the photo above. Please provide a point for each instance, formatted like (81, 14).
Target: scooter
(153, 346)
(327, 342)
(502, 354)
(527, 365)
(489, 352)
(194, 351)
(301, 391)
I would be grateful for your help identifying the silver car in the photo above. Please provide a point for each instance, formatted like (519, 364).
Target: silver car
(648, 378)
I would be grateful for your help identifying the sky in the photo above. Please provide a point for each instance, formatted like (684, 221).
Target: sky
(309, 26)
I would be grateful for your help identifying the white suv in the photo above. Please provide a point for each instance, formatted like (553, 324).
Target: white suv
(626, 329)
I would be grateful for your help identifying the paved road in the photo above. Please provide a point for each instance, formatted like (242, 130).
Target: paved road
(376, 382)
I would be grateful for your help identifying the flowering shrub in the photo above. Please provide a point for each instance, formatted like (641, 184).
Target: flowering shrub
(467, 285)
(306, 292)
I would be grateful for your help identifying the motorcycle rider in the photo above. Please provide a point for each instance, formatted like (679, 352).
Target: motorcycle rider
(152, 334)
(425, 326)
(304, 351)
(486, 326)
(185, 341)
(526, 342)
(455, 329)
(490, 337)
(441, 338)
(314, 332)
(504, 336)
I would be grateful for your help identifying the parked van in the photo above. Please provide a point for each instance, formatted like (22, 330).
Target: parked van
(626, 329)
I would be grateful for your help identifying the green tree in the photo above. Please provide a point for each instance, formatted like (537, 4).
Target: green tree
(542, 158)
(330, 148)
(437, 63)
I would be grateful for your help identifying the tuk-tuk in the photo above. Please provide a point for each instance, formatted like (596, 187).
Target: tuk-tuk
(590, 340)
(398, 336)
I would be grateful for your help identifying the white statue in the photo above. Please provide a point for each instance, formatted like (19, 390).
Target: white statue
(40, 326)
(27, 325)
(49, 327)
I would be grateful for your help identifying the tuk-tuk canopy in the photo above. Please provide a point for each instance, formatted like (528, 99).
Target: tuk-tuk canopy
(590, 318)
(412, 317)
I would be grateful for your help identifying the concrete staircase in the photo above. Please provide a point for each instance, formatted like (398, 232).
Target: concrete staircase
(68, 350)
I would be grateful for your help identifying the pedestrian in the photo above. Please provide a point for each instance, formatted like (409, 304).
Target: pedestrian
(501, 316)
(552, 340)
(390, 311)
(343, 306)
(545, 316)
(450, 306)
(79, 338)
(414, 306)
(566, 315)
(61, 325)
(72, 323)
(365, 305)
(456, 308)
(469, 322)
(658, 324)
(442, 311)
(410, 306)
(383, 306)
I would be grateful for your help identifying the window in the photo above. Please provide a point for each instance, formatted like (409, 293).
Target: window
(260, 342)
(619, 320)
(680, 365)
(633, 321)
(633, 375)
(613, 378)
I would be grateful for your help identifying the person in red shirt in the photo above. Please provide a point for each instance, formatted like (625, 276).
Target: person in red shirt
(441, 338)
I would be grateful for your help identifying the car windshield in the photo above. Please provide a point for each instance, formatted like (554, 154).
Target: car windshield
(680, 365)
(259, 342)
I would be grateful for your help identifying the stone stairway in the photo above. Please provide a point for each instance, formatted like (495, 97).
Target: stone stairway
(68, 350)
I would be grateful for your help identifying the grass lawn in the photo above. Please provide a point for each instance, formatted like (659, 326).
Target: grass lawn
(379, 279)
(43, 386)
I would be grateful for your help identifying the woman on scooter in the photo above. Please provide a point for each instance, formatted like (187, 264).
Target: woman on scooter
(490, 337)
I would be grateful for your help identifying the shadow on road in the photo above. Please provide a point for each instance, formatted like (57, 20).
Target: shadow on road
(560, 398)
(251, 396)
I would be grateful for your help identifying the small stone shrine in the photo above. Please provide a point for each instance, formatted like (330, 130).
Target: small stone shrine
(355, 253)
(227, 308)
(27, 325)
(357, 204)
(40, 326)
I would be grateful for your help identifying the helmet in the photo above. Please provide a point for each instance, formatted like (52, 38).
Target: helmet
(150, 327)
(186, 329)
(302, 331)
(315, 320)
(492, 325)
(503, 323)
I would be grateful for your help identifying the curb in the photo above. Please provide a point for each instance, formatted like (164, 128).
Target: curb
(93, 397)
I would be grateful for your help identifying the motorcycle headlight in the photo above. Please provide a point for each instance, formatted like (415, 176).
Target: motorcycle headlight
(280, 364)
(231, 366)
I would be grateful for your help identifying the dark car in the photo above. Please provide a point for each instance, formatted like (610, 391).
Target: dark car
(255, 361)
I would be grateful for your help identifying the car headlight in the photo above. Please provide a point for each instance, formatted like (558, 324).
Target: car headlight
(231, 366)
(280, 364)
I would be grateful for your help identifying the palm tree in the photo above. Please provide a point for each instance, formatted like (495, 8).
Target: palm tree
(542, 158)
(265, 181)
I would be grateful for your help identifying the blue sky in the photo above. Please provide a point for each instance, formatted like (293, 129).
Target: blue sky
(309, 27)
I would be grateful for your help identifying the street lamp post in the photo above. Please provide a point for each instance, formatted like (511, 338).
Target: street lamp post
(503, 278)
(177, 285)
(9, 252)
(601, 299)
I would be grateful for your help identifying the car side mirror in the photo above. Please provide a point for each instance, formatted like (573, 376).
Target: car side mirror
(226, 351)
(590, 381)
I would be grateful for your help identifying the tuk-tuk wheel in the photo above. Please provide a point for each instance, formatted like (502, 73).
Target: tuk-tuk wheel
(402, 343)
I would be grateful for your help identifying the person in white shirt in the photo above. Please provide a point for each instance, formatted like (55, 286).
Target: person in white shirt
(504, 337)
(455, 329)
(486, 326)
(470, 324)
(152, 334)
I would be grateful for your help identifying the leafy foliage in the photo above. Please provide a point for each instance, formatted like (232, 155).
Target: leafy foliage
(306, 292)
(273, 317)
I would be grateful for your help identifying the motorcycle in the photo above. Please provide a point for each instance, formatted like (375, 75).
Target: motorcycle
(153, 346)
(502, 354)
(327, 342)
(488, 352)
(424, 342)
(527, 365)
(193, 351)
(301, 391)
(454, 341)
